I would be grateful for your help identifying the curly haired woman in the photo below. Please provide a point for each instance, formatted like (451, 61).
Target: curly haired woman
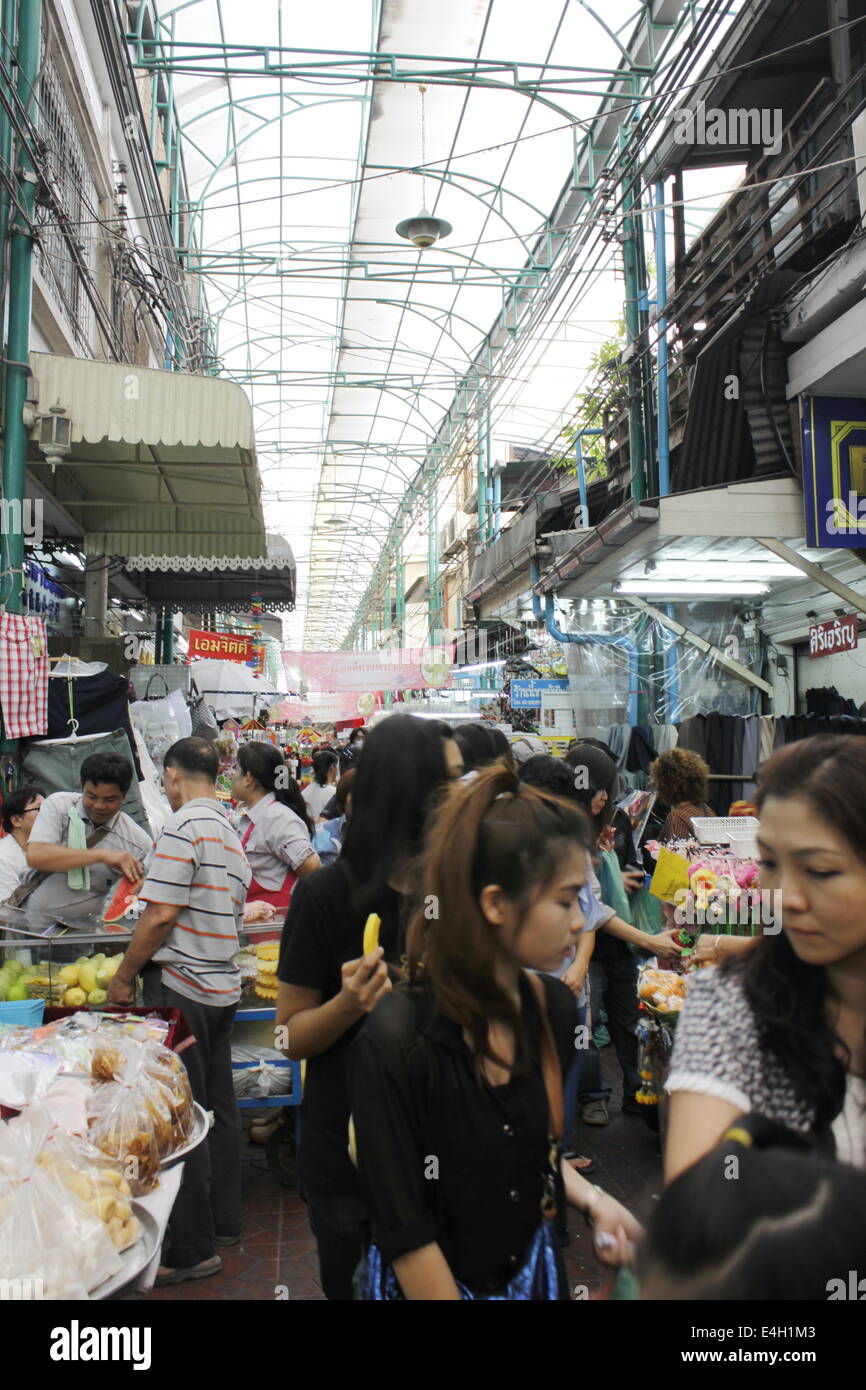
(680, 777)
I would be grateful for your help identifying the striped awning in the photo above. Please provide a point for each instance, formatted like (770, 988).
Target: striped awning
(159, 463)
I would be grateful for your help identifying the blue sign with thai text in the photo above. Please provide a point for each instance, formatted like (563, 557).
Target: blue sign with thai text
(526, 694)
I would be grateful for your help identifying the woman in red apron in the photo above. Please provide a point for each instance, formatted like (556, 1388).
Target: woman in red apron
(274, 829)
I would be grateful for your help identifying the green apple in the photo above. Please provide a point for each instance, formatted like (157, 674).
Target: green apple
(15, 967)
(17, 991)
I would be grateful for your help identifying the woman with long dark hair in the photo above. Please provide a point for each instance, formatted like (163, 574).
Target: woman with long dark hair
(327, 986)
(274, 827)
(781, 1029)
(461, 1068)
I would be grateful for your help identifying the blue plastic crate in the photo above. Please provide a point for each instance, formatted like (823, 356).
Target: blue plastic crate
(26, 1011)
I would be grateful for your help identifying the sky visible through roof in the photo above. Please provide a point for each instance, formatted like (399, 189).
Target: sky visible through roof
(350, 342)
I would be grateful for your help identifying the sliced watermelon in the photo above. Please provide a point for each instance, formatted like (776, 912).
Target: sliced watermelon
(120, 900)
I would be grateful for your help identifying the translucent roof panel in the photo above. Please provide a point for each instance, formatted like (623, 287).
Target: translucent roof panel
(300, 163)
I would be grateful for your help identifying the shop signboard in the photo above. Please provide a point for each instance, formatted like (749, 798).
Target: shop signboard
(220, 646)
(42, 597)
(838, 635)
(834, 471)
(526, 694)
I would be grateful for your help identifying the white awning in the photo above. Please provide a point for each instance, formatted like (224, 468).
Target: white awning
(159, 462)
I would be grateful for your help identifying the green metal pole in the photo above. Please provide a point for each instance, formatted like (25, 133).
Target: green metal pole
(7, 42)
(400, 596)
(633, 287)
(434, 598)
(482, 482)
(20, 297)
(168, 638)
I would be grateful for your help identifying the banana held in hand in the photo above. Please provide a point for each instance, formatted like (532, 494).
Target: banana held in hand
(371, 933)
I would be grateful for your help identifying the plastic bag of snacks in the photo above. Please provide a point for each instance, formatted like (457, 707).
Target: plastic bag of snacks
(95, 1179)
(143, 1113)
(126, 1121)
(48, 1234)
(168, 1077)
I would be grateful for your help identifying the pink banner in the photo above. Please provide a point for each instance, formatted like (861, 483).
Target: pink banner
(411, 668)
(326, 709)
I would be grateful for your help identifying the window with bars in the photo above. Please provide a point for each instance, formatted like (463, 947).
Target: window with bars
(73, 198)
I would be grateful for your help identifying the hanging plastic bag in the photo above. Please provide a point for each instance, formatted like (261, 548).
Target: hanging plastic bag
(204, 723)
(160, 722)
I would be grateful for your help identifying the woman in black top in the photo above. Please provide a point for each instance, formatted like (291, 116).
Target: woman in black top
(326, 987)
(448, 1099)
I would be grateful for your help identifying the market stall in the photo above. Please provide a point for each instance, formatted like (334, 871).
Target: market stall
(707, 884)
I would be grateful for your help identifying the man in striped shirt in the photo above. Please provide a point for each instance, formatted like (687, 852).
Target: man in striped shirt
(184, 946)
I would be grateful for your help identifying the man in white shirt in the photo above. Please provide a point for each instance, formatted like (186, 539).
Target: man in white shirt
(83, 842)
(19, 815)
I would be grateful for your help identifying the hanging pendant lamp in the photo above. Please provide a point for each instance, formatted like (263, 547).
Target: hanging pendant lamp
(423, 229)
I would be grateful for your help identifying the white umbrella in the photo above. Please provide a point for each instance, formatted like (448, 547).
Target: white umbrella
(228, 686)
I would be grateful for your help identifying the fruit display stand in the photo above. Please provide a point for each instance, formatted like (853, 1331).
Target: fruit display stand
(65, 966)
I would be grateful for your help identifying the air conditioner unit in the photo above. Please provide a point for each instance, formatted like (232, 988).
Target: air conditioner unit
(449, 541)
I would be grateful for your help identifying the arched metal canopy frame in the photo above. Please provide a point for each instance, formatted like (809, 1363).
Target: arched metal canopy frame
(225, 61)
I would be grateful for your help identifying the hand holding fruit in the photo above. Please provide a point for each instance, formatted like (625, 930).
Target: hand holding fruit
(126, 862)
(365, 981)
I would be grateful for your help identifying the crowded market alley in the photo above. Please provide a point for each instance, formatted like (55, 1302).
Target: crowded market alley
(432, 757)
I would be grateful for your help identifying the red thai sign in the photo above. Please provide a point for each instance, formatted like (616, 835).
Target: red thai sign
(839, 635)
(220, 646)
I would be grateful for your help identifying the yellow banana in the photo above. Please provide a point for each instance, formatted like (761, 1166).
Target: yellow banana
(371, 933)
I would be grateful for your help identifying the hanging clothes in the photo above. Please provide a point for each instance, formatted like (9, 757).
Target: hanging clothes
(642, 750)
(693, 734)
(23, 675)
(751, 756)
(55, 766)
(98, 703)
(768, 736)
(618, 740)
(666, 737)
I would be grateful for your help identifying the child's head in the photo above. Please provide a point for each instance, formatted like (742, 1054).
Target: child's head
(760, 1217)
(502, 870)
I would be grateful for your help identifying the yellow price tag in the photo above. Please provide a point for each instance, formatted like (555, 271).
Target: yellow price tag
(670, 877)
